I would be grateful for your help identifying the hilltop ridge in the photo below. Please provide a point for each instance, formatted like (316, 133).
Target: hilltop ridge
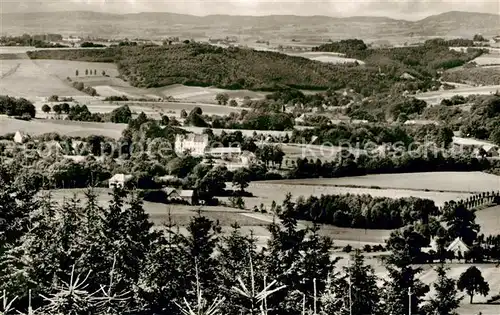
(161, 24)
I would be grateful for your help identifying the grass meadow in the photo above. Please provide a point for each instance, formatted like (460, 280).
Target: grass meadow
(62, 127)
(451, 182)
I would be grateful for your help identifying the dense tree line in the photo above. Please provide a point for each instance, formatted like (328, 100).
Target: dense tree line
(344, 46)
(346, 164)
(91, 45)
(16, 106)
(365, 136)
(421, 61)
(483, 119)
(364, 211)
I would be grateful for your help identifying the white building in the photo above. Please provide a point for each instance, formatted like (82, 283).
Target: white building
(119, 180)
(458, 246)
(224, 153)
(193, 143)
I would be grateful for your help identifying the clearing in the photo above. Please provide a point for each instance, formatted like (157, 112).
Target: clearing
(435, 97)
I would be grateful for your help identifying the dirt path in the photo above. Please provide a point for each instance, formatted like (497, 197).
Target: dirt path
(10, 72)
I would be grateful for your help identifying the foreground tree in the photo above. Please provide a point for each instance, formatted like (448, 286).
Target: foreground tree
(461, 222)
(472, 282)
(365, 296)
(446, 300)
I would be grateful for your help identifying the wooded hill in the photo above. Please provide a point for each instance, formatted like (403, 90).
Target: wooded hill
(236, 68)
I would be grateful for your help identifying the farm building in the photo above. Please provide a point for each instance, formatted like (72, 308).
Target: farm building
(188, 196)
(20, 137)
(119, 180)
(193, 143)
(224, 153)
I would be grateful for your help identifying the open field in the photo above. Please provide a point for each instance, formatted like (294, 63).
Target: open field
(65, 68)
(436, 97)
(456, 182)
(471, 141)
(489, 220)
(23, 78)
(488, 60)
(62, 127)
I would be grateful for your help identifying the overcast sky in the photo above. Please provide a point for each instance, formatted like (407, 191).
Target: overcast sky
(406, 9)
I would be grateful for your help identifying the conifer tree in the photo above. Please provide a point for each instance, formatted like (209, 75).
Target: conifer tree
(446, 300)
(364, 297)
(127, 239)
(161, 279)
(234, 251)
(315, 265)
(402, 286)
(283, 255)
(198, 247)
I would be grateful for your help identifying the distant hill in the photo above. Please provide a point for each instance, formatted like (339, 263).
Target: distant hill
(319, 28)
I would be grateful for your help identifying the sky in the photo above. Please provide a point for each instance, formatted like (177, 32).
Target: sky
(405, 9)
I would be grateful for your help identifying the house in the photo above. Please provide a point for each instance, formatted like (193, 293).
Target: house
(491, 150)
(20, 137)
(193, 143)
(119, 180)
(224, 153)
(486, 151)
(455, 247)
(458, 246)
(171, 193)
(187, 196)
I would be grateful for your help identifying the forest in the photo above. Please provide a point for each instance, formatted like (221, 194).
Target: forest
(239, 68)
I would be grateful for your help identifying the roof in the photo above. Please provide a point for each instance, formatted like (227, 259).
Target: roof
(224, 150)
(457, 244)
(186, 193)
(169, 190)
(121, 178)
(167, 177)
(489, 148)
